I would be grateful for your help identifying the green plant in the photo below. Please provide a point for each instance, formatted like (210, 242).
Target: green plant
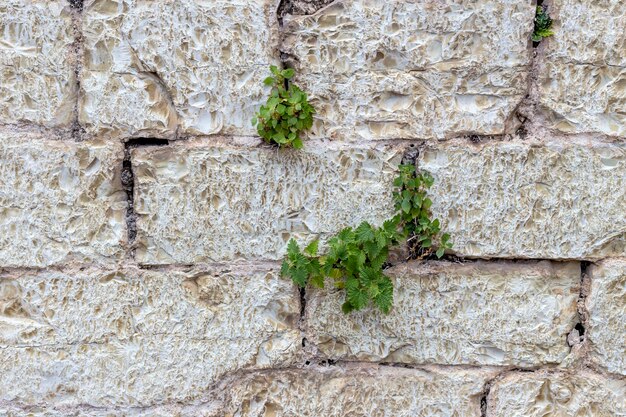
(355, 258)
(287, 111)
(543, 25)
(354, 261)
(413, 206)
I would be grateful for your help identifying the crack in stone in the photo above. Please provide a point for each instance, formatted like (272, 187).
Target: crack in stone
(128, 182)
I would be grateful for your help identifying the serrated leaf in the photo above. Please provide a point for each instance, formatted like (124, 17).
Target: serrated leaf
(384, 299)
(311, 248)
(364, 232)
(357, 297)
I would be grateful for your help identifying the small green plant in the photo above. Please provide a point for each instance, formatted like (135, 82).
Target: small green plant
(543, 25)
(354, 261)
(287, 111)
(355, 258)
(413, 207)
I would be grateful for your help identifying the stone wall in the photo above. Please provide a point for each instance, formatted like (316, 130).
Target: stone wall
(142, 222)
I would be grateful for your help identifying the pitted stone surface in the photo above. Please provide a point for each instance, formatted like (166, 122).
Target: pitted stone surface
(606, 305)
(59, 201)
(583, 67)
(198, 202)
(541, 394)
(357, 392)
(152, 68)
(561, 200)
(139, 338)
(37, 82)
(412, 69)
(476, 313)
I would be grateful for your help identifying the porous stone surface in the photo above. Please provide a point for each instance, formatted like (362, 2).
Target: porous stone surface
(476, 313)
(37, 81)
(559, 200)
(412, 69)
(582, 73)
(139, 338)
(59, 201)
(357, 392)
(606, 307)
(198, 202)
(557, 394)
(155, 68)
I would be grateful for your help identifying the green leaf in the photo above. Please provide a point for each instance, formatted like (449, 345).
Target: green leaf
(288, 73)
(297, 143)
(364, 232)
(406, 205)
(440, 252)
(311, 249)
(384, 299)
(357, 297)
(269, 81)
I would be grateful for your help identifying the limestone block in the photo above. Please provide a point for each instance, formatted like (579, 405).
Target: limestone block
(152, 68)
(583, 67)
(557, 394)
(37, 82)
(476, 313)
(561, 200)
(59, 201)
(139, 338)
(606, 305)
(412, 69)
(357, 392)
(199, 202)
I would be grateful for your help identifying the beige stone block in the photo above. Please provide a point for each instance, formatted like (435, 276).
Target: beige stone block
(582, 76)
(37, 82)
(418, 69)
(358, 392)
(59, 201)
(543, 393)
(476, 313)
(139, 338)
(560, 200)
(606, 306)
(155, 68)
(198, 202)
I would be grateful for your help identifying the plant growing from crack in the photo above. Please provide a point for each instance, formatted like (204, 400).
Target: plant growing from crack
(543, 24)
(287, 112)
(356, 257)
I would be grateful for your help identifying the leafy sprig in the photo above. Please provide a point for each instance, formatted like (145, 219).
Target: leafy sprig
(413, 207)
(287, 112)
(543, 25)
(354, 262)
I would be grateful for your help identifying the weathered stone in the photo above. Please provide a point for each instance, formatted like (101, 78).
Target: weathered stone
(139, 338)
(541, 394)
(357, 392)
(561, 200)
(37, 82)
(152, 68)
(582, 74)
(200, 203)
(418, 69)
(59, 201)
(606, 305)
(475, 313)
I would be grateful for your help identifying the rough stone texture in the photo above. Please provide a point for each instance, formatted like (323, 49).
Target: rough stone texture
(357, 392)
(139, 338)
(412, 69)
(518, 200)
(151, 68)
(557, 394)
(59, 201)
(582, 71)
(606, 306)
(37, 82)
(201, 203)
(476, 313)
